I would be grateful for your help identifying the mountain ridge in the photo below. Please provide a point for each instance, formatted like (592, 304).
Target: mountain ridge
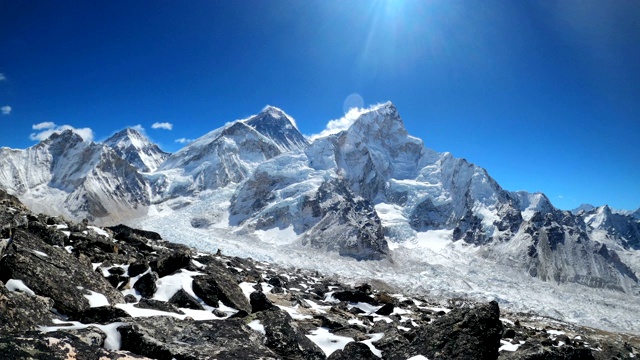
(359, 192)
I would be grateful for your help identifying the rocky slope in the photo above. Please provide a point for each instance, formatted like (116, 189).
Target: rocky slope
(72, 290)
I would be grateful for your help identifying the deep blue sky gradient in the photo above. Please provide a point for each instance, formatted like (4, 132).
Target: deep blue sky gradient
(543, 94)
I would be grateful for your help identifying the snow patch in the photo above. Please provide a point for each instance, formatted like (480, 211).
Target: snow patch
(327, 341)
(18, 285)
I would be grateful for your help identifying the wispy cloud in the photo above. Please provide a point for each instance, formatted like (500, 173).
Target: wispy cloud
(162, 125)
(43, 125)
(337, 125)
(46, 129)
(184, 141)
(6, 110)
(2, 77)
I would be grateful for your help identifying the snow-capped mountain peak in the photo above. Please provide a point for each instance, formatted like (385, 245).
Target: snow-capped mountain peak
(276, 125)
(137, 150)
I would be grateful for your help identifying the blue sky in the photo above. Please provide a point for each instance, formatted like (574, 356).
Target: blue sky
(543, 94)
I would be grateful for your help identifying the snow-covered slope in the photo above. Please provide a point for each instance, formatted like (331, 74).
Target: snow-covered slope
(65, 175)
(137, 150)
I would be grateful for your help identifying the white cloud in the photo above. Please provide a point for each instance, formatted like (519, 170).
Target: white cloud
(50, 128)
(2, 77)
(6, 110)
(184, 141)
(335, 126)
(138, 128)
(163, 125)
(43, 125)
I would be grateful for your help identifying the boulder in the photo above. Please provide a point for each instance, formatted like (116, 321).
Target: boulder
(57, 345)
(52, 272)
(464, 333)
(162, 337)
(22, 312)
(99, 315)
(354, 296)
(170, 263)
(219, 285)
(146, 284)
(353, 350)
(534, 350)
(158, 305)
(259, 302)
(386, 309)
(285, 338)
(182, 299)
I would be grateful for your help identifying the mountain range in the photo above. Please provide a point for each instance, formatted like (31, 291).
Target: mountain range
(362, 193)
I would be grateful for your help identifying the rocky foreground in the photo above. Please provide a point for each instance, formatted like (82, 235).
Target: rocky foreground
(74, 291)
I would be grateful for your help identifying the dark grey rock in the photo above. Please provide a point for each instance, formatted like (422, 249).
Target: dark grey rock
(170, 263)
(57, 345)
(22, 312)
(386, 309)
(162, 337)
(354, 296)
(285, 338)
(158, 305)
(219, 285)
(182, 299)
(56, 275)
(259, 302)
(99, 315)
(464, 333)
(146, 285)
(353, 350)
(137, 268)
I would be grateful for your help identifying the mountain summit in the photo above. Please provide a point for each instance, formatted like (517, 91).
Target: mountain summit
(137, 150)
(276, 125)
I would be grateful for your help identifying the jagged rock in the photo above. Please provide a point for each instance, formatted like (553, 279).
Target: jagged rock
(354, 296)
(285, 338)
(386, 309)
(219, 285)
(182, 299)
(48, 234)
(137, 268)
(91, 336)
(52, 272)
(99, 315)
(259, 302)
(331, 322)
(129, 298)
(57, 345)
(22, 312)
(146, 284)
(125, 230)
(168, 264)
(353, 350)
(533, 350)
(464, 333)
(162, 337)
(277, 281)
(508, 334)
(158, 305)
